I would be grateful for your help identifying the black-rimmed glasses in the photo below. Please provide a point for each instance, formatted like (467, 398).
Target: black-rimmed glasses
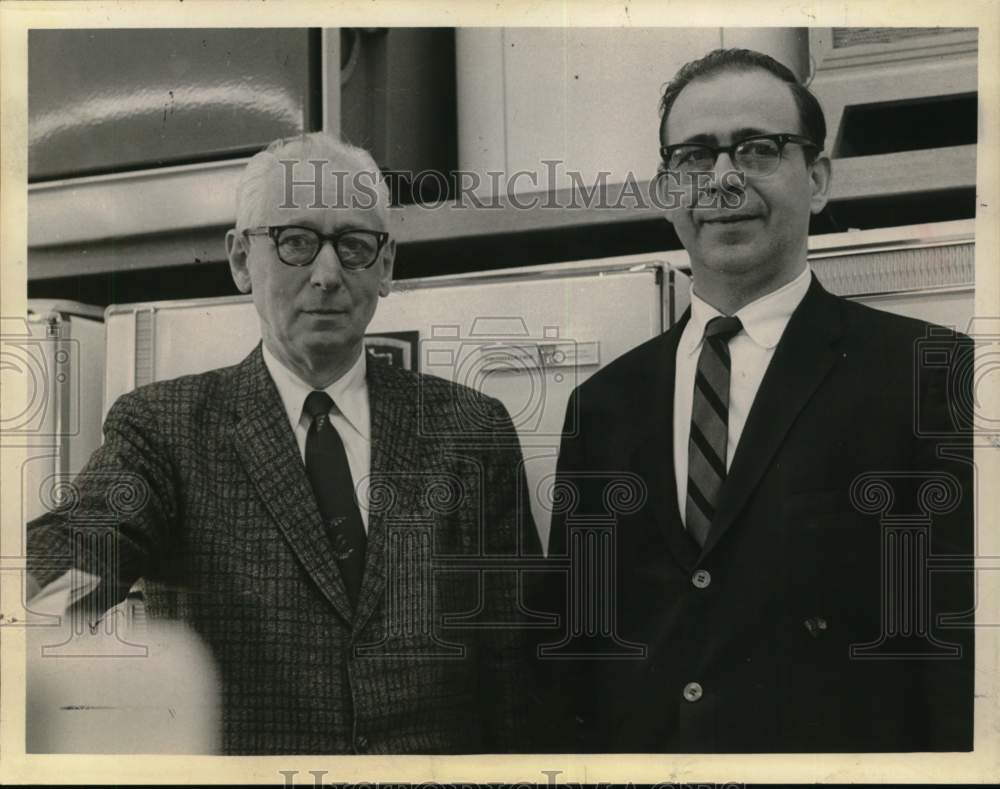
(757, 155)
(299, 246)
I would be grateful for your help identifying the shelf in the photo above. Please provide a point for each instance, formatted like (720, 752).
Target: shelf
(899, 174)
(178, 216)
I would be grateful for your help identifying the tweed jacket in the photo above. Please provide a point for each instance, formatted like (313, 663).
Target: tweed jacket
(201, 487)
(830, 607)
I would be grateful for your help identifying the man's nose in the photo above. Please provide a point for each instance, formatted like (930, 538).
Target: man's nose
(723, 164)
(327, 272)
(727, 180)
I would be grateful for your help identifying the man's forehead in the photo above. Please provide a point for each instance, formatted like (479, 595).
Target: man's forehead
(731, 105)
(323, 193)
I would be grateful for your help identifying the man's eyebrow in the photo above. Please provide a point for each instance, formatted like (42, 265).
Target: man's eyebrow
(735, 136)
(338, 228)
(708, 139)
(752, 131)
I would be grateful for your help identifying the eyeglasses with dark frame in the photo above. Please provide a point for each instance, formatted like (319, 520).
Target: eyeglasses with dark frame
(758, 155)
(299, 246)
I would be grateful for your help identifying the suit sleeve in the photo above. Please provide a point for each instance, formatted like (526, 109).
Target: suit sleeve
(509, 530)
(111, 520)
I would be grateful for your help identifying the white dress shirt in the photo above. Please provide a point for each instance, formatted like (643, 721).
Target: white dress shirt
(764, 321)
(350, 415)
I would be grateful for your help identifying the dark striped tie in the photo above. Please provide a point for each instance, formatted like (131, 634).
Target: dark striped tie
(709, 427)
(330, 477)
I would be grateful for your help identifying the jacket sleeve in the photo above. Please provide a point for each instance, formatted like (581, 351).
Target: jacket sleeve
(111, 520)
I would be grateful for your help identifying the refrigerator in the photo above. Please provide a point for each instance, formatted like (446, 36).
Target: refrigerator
(920, 271)
(58, 351)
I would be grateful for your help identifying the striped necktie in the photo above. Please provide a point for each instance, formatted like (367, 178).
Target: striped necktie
(330, 477)
(709, 427)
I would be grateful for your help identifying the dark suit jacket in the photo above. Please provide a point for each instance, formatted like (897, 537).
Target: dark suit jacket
(794, 566)
(201, 485)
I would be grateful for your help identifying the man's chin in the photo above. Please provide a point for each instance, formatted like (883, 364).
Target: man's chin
(332, 345)
(733, 258)
(722, 235)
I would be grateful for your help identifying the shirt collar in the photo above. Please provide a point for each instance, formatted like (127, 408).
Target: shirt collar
(349, 392)
(764, 319)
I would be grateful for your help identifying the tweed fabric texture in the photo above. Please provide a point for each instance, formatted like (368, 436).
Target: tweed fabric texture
(202, 488)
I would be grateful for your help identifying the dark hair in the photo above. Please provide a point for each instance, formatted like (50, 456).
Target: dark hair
(739, 60)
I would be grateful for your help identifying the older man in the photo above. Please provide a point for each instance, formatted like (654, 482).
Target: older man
(293, 508)
(800, 468)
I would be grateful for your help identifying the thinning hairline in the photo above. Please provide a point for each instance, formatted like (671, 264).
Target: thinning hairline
(275, 171)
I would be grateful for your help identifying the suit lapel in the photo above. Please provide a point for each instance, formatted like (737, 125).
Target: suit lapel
(654, 454)
(270, 456)
(393, 400)
(804, 356)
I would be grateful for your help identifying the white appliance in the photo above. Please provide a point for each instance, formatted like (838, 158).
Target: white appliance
(921, 271)
(59, 352)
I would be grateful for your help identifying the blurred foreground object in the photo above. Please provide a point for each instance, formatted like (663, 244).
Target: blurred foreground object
(121, 686)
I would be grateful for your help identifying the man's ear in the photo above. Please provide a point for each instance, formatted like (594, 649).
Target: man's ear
(820, 177)
(236, 251)
(388, 258)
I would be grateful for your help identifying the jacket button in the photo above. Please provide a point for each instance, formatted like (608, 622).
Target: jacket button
(361, 743)
(693, 691)
(701, 579)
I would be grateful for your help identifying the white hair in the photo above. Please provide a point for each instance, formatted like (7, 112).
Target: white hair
(256, 181)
